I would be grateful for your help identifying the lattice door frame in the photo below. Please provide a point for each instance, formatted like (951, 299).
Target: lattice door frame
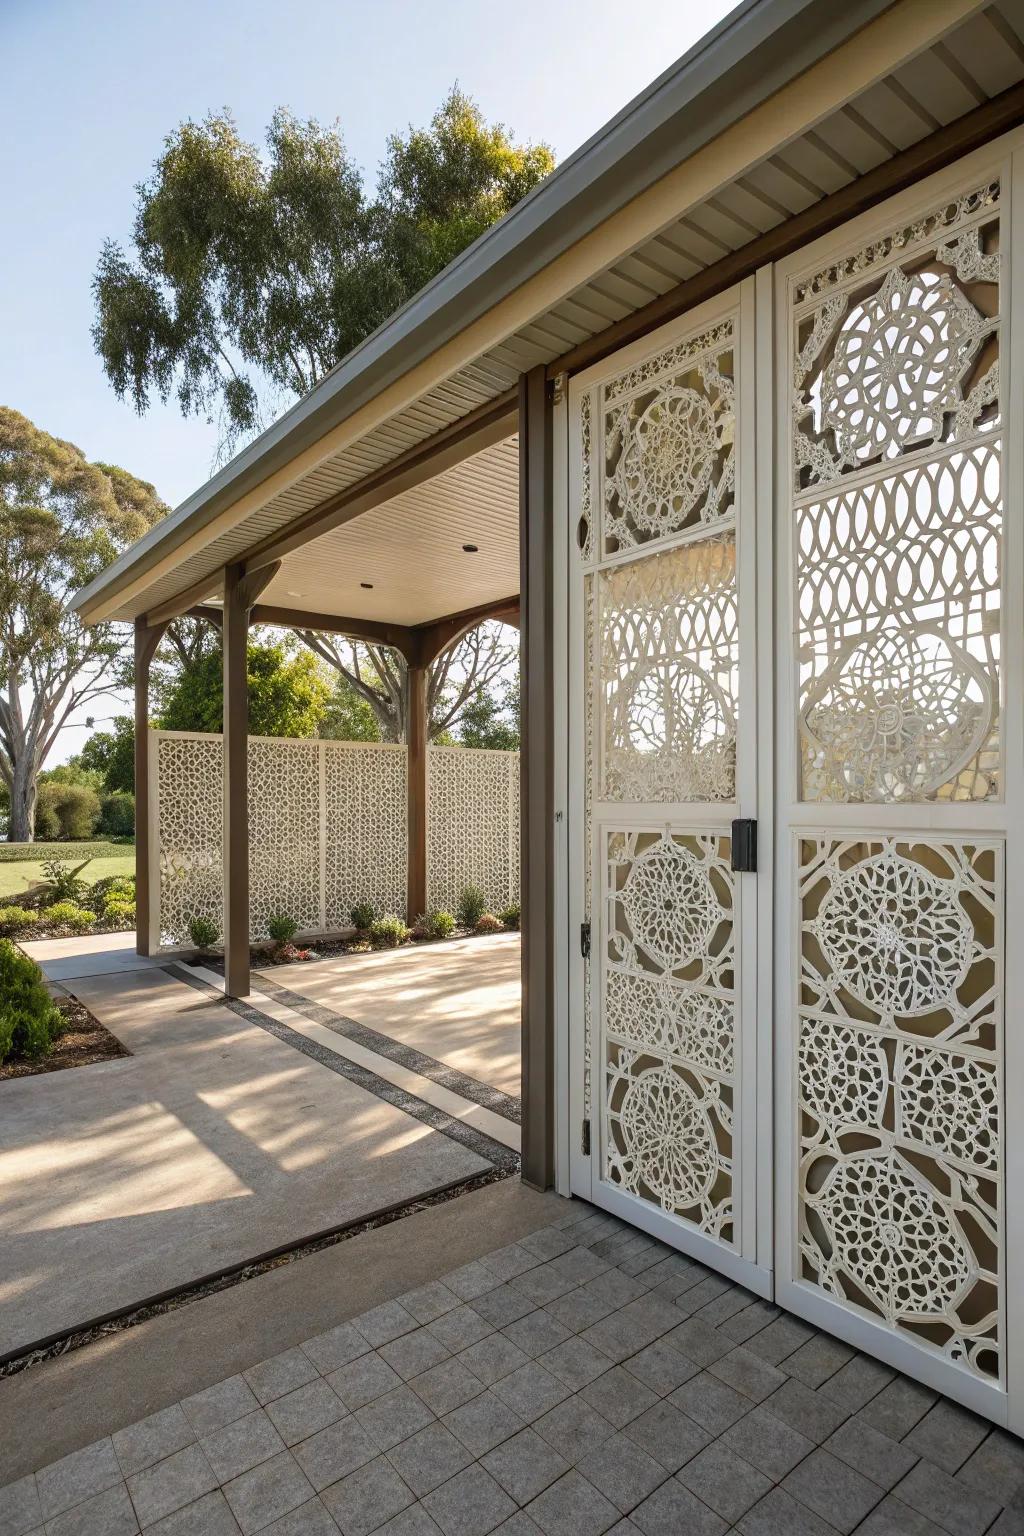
(746, 1257)
(890, 841)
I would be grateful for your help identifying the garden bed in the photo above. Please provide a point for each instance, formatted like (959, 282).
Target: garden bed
(82, 1041)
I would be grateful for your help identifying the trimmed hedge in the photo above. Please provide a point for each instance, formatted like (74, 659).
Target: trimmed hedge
(28, 1019)
(39, 853)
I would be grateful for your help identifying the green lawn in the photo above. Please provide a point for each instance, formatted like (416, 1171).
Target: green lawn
(17, 874)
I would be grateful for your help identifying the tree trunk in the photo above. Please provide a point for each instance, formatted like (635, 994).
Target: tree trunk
(20, 828)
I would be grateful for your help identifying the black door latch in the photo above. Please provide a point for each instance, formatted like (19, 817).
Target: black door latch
(744, 846)
(585, 940)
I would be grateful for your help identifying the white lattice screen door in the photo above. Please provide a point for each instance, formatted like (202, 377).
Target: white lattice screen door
(899, 775)
(663, 760)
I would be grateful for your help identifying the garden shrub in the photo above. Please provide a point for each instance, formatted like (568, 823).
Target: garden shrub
(67, 811)
(113, 888)
(16, 919)
(436, 924)
(68, 914)
(282, 928)
(28, 1019)
(487, 923)
(363, 915)
(65, 882)
(203, 931)
(472, 906)
(388, 932)
(119, 915)
(117, 814)
(510, 916)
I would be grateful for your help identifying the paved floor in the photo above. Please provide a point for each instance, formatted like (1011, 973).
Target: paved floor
(89, 954)
(231, 1130)
(582, 1380)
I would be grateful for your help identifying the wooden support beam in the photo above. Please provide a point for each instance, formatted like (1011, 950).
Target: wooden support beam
(240, 594)
(537, 837)
(178, 607)
(416, 732)
(431, 639)
(147, 938)
(398, 636)
(930, 154)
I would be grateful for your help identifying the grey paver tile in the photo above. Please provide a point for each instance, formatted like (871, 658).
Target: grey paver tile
(363, 1380)
(743, 1370)
(573, 1428)
(525, 1465)
(309, 1519)
(898, 1407)
(461, 1328)
(581, 1265)
(933, 1493)
(543, 1284)
(447, 1386)
(335, 1348)
(699, 1342)
(503, 1306)
(494, 1357)
(894, 1518)
(778, 1341)
(806, 1410)
(151, 1439)
(219, 1404)
(731, 1303)
(365, 1499)
(512, 1260)
(483, 1423)
(724, 1481)
(413, 1521)
(779, 1514)
(947, 1435)
(414, 1353)
(548, 1243)
(283, 1373)
(334, 1452)
(619, 1396)
(742, 1325)
(429, 1458)
(301, 1413)
(814, 1362)
(768, 1444)
(167, 1485)
(244, 1443)
(580, 1309)
(530, 1391)
(710, 1402)
(20, 1509)
(673, 1510)
(77, 1477)
(209, 1516)
(573, 1507)
(1010, 1522)
(833, 1490)
(109, 1513)
(536, 1332)
(429, 1302)
(622, 1471)
(469, 1504)
(668, 1435)
(575, 1362)
(857, 1382)
(471, 1280)
(885, 1461)
(394, 1417)
(661, 1367)
(520, 1525)
(615, 1289)
(272, 1489)
(996, 1467)
(698, 1296)
(382, 1324)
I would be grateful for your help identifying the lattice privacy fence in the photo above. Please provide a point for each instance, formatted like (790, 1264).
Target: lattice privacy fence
(327, 828)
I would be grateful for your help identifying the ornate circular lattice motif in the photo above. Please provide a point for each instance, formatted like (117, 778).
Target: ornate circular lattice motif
(900, 714)
(670, 904)
(668, 1138)
(898, 363)
(667, 460)
(895, 935)
(893, 1238)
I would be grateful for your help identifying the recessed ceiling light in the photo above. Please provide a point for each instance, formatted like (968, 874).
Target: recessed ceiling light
(367, 586)
(292, 593)
(471, 549)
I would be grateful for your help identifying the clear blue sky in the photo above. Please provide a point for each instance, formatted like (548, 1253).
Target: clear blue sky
(91, 87)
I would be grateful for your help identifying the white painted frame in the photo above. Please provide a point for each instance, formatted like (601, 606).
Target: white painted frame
(1005, 159)
(747, 1259)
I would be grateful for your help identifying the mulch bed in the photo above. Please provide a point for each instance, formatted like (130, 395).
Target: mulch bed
(83, 1041)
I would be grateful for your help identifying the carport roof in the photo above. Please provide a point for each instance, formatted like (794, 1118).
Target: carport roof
(780, 110)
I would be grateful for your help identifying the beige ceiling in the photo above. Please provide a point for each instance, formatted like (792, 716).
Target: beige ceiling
(410, 549)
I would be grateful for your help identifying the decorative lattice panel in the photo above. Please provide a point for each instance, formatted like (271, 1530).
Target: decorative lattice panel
(899, 1078)
(472, 825)
(669, 656)
(189, 796)
(284, 833)
(669, 1024)
(365, 829)
(898, 513)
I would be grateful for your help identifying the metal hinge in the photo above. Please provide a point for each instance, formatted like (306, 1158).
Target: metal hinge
(744, 846)
(585, 940)
(585, 1139)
